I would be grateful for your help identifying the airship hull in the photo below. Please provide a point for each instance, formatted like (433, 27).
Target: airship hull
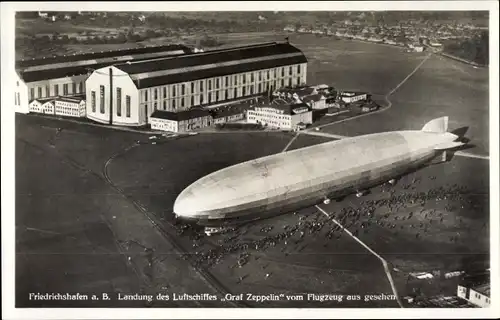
(309, 195)
(292, 180)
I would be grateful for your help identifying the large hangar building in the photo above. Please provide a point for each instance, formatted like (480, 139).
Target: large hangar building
(128, 93)
(66, 75)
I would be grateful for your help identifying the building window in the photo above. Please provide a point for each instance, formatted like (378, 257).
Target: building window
(81, 87)
(235, 80)
(290, 71)
(127, 106)
(119, 102)
(183, 89)
(244, 91)
(93, 101)
(226, 96)
(244, 76)
(146, 95)
(201, 86)
(268, 74)
(47, 91)
(217, 83)
(192, 101)
(283, 71)
(73, 87)
(173, 104)
(39, 92)
(32, 93)
(235, 92)
(201, 99)
(173, 91)
(298, 69)
(155, 106)
(182, 102)
(298, 80)
(209, 84)
(192, 87)
(164, 104)
(209, 97)
(227, 81)
(251, 90)
(101, 96)
(164, 92)
(252, 77)
(260, 87)
(289, 82)
(65, 89)
(216, 95)
(156, 94)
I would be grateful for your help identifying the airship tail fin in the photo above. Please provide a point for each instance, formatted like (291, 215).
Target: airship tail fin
(438, 125)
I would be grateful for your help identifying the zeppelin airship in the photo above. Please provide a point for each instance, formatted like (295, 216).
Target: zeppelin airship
(304, 177)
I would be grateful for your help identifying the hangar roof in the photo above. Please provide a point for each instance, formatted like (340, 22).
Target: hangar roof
(180, 116)
(213, 63)
(61, 67)
(21, 64)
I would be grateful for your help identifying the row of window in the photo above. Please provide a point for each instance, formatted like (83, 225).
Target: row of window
(266, 115)
(220, 95)
(215, 84)
(65, 90)
(102, 97)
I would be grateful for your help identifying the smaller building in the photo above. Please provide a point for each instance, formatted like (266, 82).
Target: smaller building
(70, 106)
(315, 101)
(285, 117)
(476, 290)
(183, 121)
(227, 114)
(60, 106)
(351, 97)
(45, 106)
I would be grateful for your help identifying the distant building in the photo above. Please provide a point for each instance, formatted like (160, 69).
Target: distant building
(351, 97)
(315, 101)
(41, 106)
(227, 114)
(70, 106)
(60, 106)
(285, 117)
(476, 290)
(183, 121)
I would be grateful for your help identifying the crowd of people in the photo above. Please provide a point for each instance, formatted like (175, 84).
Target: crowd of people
(412, 212)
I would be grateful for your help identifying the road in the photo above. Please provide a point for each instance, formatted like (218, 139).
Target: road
(382, 260)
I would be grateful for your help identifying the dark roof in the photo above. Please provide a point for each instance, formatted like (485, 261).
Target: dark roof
(227, 111)
(313, 97)
(215, 72)
(76, 70)
(287, 109)
(212, 57)
(99, 55)
(352, 93)
(180, 116)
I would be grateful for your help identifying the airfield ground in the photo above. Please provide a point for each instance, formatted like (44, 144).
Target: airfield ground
(72, 206)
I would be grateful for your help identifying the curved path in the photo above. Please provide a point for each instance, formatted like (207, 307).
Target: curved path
(207, 277)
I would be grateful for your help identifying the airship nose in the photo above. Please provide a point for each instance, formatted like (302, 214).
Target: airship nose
(184, 206)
